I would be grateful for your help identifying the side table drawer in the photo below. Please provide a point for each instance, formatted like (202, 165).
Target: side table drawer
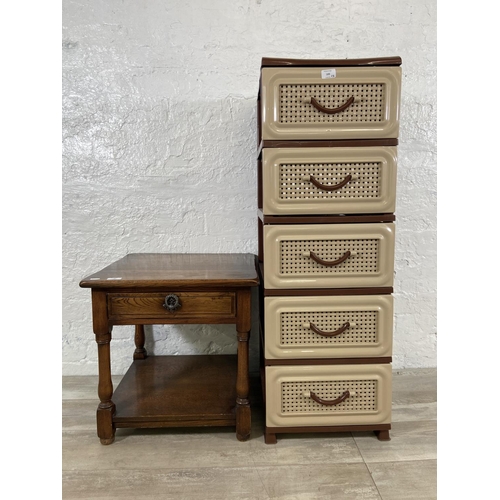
(328, 327)
(302, 181)
(339, 103)
(328, 255)
(187, 307)
(328, 395)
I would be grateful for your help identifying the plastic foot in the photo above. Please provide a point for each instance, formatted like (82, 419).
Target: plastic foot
(383, 435)
(270, 438)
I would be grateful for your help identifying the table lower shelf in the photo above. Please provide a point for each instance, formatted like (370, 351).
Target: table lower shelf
(177, 391)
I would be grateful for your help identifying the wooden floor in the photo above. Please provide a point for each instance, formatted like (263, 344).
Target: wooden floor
(205, 464)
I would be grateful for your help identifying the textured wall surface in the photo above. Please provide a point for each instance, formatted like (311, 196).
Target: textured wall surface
(159, 144)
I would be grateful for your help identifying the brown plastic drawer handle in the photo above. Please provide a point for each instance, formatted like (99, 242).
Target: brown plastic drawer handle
(326, 187)
(330, 263)
(337, 401)
(330, 111)
(341, 330)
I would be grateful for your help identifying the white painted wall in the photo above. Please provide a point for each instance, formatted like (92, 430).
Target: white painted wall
(159, 144)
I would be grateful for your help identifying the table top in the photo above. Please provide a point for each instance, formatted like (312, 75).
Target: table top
(152, 270)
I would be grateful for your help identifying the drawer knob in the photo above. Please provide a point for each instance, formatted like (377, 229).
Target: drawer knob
(328, 187)
(172, 302)
(330, 111)
(330, 263)
(340, 331)
(326, 402)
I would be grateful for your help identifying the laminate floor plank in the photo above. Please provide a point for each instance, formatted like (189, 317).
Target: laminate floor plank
(414, 412)
(314, 482)
(413, 386)
(307, 449)
(201, 448)
(410, 480)
(409, 441)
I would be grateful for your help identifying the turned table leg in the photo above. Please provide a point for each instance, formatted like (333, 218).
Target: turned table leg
(243, 325)
(106, 408)
(140, 339)
(102, 330)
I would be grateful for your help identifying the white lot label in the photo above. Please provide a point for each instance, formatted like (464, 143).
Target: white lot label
(328, 73)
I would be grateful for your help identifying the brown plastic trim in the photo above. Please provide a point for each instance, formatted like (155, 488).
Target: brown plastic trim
(329, 361)
(259, 120)
(340, 331)
(294, 292)
(339, 143)
(330, 263)
(330, 428)
(324, 219)
(259, 184)
(260, 237)
(260, 272)
(331, 111)
(376, 61)
(333, 402)
(326, 187)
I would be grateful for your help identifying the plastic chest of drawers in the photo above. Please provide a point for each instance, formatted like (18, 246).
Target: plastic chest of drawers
(327, 164)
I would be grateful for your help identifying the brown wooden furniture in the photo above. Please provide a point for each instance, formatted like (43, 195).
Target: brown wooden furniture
(174, 391)
(326, 158)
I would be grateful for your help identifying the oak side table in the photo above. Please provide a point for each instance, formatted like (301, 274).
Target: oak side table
(174, 391)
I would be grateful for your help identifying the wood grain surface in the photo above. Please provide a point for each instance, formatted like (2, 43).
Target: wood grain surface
(156, 270)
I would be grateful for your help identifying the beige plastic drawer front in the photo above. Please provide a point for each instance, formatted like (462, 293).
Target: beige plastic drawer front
(365, 389)
(328, 327)
(287, 112)
(366, 178)
(291, 254)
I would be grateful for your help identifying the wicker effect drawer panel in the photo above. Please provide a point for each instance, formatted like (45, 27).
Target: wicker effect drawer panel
(291, 254)
(288, 322)
(367, 177)
(287, 112)
(363, 393)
